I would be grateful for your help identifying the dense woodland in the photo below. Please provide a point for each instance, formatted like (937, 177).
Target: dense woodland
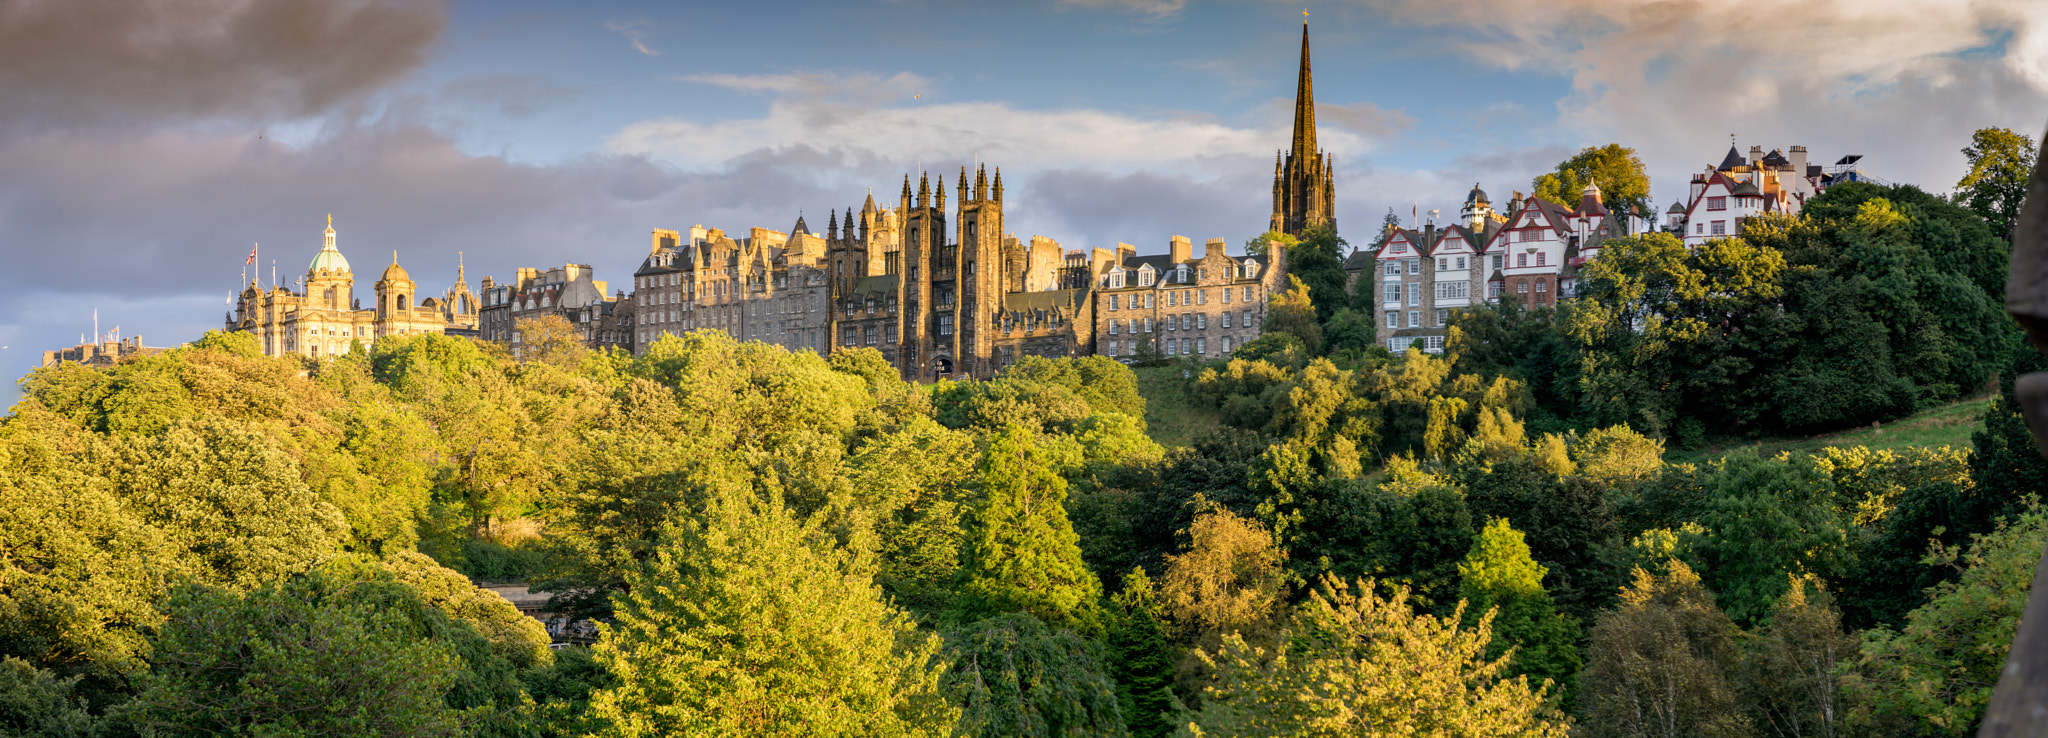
(1486, 542)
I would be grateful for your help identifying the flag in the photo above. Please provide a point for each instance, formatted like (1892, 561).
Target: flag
(252, 256)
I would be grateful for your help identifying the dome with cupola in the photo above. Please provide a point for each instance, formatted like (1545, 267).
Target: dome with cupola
(329, 258)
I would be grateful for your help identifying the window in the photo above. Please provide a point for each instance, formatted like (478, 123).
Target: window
(1699, 228)
(945, 325)
(1247, 294)
(1433, 344)
(1415, 319)
(1148, 300)
(1399, 344)
(1521, 286)
(870, 332)
(1148, 325)
(1226, 344)
(1443, 264)
(1453, 290)
(1112, 301)
(1201, 346)
(1393, 268)
(1414, 266)
(1720, 228)
(1201, 297)
(1717, 203)
(1414, 294)
(1542, 285)
(1113, 327)
(1226, 295)
(1400, 247)
(1393, 319)
(1528, 235)
(1542, 258)
(1498, 261)
(1226, 320)
(1172, 299)
(1442, 316)
(1394, 292)
(1201, 322)
(1521, 260)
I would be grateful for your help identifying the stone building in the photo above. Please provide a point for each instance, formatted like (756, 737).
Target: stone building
(1304, 179)
(1535, 257)
(767, 286)
(1184, 306)
(1719, 199)
(103, 354)
(570, 291)
(327, 319)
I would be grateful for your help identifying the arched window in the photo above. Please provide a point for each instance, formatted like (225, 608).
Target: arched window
(1521, 286)
(404, 302)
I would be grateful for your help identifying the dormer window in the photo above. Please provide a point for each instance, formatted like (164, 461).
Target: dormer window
(1145, 276)
(1116, 279)
(1180, 274)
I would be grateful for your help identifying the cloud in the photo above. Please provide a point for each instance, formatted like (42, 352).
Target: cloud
(510, 95)
(635, 32)
(124, 63)
(860, 87)
(1157, 9)
(1673, 78)
(1368, 120)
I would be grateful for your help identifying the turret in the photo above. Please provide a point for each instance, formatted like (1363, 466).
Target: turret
(924, 190)
(999, 184)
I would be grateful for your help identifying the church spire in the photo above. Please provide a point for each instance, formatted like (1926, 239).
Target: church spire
(1304, 106)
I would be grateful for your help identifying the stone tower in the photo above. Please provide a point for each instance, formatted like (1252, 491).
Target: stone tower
(982, 271)
(1304, 191)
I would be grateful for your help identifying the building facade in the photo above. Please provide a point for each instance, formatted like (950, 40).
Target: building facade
(106, 353)
(570, 291)
(1176, 305)
(327, 319)
(1721, 198)
(766, 286)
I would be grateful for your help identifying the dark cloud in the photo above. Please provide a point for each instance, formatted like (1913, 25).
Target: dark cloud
(130, 63)
(1087, 208)
(1365, 119)
(510, 95)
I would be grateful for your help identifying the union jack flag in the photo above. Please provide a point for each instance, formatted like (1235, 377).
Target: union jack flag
(252, 256)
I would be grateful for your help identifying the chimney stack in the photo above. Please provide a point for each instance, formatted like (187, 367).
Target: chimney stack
(1181, 249)
(1213, 247)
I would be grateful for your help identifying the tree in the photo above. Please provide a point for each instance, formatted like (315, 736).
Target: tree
(1013, 676)
(1789, 680)
(313, 656)
(1354, 664)
(2001, 164)
(1021, 552)
(1142, 661)
(1259, 244)
(1318, 261)
(1228, 581)
(751, 622)
(1936, 674)
(1500, 574)
(1624, 188)
(1657, 666)
(550, 339)
(37, 702)
(1293, 313)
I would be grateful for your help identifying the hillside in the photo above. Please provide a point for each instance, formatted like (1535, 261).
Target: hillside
(1948, 425)
(1171, 419)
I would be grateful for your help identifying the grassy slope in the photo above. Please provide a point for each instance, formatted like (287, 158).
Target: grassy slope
(1949, 425)
(1170, 417)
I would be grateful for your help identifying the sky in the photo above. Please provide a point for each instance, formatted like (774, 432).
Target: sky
(147, 145)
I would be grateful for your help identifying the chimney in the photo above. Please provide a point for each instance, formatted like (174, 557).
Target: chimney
(1756, 155)
(1699, 184)
(1213, 247)
(1428, 236)
(1181, 249)
(1124, 252)
(1797, 156)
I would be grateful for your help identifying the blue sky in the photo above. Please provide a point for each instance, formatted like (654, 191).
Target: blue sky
(141, 153)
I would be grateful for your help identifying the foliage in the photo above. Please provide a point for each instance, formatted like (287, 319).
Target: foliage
(1228, 581)
(1936, 674)
(1259, 244)
(1021, 552)
(749, 621)
(1141, 660)
(550, 339)
(1293, 313)
(1500, 578)
(1318, 262)
(1788, 681)
(1011, 675)
(1658, 665)
(1624, 187)
(1352, 663)
(2001, 164)
(36, 702)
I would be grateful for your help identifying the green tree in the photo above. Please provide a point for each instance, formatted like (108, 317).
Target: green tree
(1318, 260)
(1013, 676)
(1766, 519)
(316, 656)
(751, 622)
(1658, 665)
(1624, 187)
(2001, 164)
(1021, 552)
(550, 339)
(1354, 664)
(1229, 580)
(38, 703)
(1293, 313)
(1141, 660)
(1500, 574)
(1936, 674)
(1258, 245)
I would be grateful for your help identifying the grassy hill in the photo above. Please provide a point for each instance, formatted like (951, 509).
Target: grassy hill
(1948, 425)
(1170, 416)
(1174, 420)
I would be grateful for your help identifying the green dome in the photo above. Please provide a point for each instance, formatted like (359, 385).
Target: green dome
(329, 259)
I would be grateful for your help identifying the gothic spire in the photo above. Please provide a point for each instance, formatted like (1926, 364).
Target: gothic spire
(1304, 106)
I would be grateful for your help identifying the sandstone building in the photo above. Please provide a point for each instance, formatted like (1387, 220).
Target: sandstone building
(766, 286)
(569, 291)
(327, 319)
